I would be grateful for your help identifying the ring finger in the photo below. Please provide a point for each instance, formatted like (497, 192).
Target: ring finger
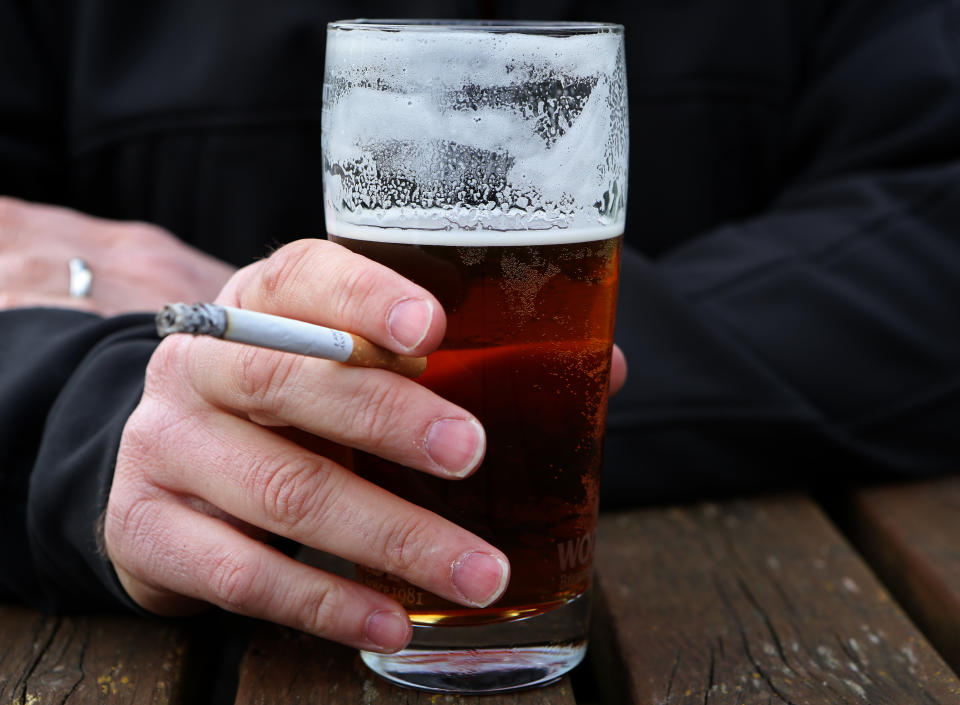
(277, 485)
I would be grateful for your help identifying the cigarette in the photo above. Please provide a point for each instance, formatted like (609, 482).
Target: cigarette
(286, 334)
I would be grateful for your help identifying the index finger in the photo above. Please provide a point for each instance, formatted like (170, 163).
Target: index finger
(321, 282)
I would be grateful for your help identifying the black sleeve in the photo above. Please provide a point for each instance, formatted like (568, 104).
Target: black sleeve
(68, 381)
(819, 339)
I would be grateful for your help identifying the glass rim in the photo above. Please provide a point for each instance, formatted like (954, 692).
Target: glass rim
(559, 28)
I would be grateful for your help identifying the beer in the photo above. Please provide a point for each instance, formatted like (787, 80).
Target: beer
(527, 350)
(487, 162)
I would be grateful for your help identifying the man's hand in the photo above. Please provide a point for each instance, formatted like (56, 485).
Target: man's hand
(136, 266)
(207, 469)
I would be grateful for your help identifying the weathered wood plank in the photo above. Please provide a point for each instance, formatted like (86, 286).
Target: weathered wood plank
(85, 660)
(284, 666)
(758, 601)
(910, 533)
(24, 637)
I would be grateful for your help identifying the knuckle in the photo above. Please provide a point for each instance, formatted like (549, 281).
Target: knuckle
(150, 429)
(35, 270)
(404, 543)
(139, 437)
(262, 378)
(130, 526)
(377, 405)
(293, 491)
(131, 233)
(280, 272)
(323, 609)
(236, 582)
(356, 286)
(173, 385)
(237, 287)
(170, 361)
(156, 437)
(149, 233)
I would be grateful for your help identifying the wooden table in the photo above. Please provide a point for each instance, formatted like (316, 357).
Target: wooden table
(756, 600)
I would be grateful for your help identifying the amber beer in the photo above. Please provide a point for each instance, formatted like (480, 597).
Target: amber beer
(488, 162)
(527, 350)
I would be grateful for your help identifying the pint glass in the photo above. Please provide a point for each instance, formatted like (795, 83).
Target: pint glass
(487, 162)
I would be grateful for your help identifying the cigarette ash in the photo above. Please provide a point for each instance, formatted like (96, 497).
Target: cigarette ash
(198, 319)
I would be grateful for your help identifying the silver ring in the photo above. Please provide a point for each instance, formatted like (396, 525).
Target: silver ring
(81, 278)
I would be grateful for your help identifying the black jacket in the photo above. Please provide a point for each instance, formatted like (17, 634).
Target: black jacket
(789, 291)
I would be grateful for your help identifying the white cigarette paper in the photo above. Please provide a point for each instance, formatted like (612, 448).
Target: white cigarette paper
(285, 334)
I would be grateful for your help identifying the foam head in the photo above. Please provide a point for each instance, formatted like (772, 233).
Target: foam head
(464, 128)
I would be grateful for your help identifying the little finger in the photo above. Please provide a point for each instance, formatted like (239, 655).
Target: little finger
(198, 556)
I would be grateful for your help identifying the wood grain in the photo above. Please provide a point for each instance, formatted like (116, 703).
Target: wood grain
(24, 637)
(910, 533)
(284, 666)
(85, 660)
(758, 601)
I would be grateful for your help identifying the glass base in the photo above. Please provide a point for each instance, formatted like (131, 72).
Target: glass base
(490, 658)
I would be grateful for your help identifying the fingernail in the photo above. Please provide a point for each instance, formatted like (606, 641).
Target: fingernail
(409, 321)
(387, 630)
(479, 577)
(456, 445)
